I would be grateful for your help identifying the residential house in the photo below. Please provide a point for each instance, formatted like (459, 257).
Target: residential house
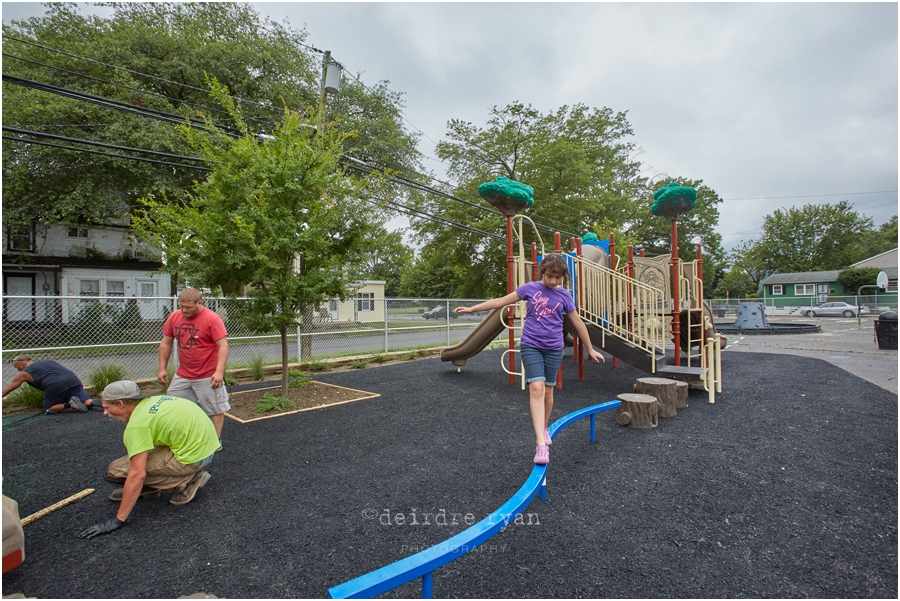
(63, 260)
(787, 290)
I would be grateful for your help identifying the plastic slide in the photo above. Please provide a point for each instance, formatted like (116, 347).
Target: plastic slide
(483, 334)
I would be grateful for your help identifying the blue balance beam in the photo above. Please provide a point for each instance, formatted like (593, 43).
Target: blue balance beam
(422, 564)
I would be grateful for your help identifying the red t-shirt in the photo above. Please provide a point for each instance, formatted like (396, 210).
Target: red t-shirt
(196, 340)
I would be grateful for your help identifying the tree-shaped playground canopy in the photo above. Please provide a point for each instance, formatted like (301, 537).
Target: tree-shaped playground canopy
(672, 200)
(508, 196)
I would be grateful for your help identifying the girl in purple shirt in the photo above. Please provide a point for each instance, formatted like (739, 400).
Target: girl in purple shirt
(542, 342)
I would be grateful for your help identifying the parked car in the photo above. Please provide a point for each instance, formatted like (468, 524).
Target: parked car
(439, 312)
(837, 308)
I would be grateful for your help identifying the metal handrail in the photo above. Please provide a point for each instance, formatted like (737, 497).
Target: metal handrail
(622, 306)
(422, 564)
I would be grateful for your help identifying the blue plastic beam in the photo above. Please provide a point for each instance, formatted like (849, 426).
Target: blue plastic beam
(424, 562)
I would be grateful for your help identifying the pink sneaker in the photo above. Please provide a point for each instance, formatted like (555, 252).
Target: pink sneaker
(542, 455)
(547, 438)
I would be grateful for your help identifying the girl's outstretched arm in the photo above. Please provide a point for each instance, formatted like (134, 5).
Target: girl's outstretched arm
(579, 326)
(488, 305)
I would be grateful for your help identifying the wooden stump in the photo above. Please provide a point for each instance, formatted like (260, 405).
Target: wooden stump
(664, 391)
(681, 394)
(638, 410)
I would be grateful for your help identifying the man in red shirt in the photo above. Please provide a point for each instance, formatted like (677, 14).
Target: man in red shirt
(202, 354)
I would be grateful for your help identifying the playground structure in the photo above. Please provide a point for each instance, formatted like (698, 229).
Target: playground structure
(630, 307)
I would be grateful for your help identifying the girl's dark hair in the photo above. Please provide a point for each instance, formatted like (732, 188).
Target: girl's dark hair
(555, 262)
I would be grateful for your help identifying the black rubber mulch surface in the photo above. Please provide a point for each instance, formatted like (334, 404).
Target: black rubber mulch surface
(786, 487)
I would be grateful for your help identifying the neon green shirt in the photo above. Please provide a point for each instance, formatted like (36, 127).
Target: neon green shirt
(172, 422)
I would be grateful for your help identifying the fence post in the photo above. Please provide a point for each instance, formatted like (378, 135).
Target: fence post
(299, 344)
(448, 322)
(384, 302)
(175, 343)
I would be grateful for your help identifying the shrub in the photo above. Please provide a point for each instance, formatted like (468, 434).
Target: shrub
(105, 374)
(298, 379)
(257, 367)
(358, 364)
(271, 402)
(25, 396)
(379, 358)
(317, 366)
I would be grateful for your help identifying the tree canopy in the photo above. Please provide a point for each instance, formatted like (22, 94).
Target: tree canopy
(579, 161)
(123, 80)
(279, 216)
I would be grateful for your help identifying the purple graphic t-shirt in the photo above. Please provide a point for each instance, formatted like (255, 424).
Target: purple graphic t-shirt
(544, 316)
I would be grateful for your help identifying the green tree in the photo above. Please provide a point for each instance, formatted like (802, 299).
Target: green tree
(428, 276)
(854, 277)
(577, 159)
(280, 217)
(154, 57)
(744, 274)
(813, 238)
(385, 256)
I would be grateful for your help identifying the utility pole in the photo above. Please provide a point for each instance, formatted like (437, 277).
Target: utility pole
(321, 116)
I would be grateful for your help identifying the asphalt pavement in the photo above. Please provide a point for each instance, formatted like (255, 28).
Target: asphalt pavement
(841, 342)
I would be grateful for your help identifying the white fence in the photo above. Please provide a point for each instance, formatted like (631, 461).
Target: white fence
(84, 332)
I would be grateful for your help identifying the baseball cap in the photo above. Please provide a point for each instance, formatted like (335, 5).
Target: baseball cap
(123, 389)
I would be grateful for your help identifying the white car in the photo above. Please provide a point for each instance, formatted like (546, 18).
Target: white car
(837, 308)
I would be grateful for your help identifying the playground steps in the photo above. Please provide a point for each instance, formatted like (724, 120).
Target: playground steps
(691, 375)
(621, 349)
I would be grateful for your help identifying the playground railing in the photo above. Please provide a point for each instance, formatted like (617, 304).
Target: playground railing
(621, 306)
(422, 564)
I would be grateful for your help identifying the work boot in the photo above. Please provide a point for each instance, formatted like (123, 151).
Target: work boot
(146, 493)
(187, 495)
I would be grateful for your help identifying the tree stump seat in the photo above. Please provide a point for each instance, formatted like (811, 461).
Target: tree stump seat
(664, 390)
(638, 410)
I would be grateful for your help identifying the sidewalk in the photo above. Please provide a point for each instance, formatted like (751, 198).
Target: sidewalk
(841, 342)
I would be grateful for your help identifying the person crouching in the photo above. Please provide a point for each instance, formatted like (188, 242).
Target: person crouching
(152, 466)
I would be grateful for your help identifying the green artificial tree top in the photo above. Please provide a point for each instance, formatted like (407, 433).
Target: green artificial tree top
(589, 237)
(672, 200)
(509, 196)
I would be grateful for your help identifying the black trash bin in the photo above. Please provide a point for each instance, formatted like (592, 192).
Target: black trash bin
(886, 330)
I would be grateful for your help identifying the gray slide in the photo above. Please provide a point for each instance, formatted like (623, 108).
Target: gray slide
(483, 334)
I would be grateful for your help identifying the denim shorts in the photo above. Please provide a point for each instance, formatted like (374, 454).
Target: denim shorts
(540, 365)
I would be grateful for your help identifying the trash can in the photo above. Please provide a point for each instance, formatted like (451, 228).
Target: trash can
(886, 330)
(719, 311)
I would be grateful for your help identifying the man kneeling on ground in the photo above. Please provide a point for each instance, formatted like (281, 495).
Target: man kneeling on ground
(169, 441)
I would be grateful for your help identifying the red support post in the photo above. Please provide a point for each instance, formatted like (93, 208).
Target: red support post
(676, 301)
(510, 287)
(534, 263)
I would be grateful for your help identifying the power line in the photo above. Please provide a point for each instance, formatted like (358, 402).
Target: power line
(808, 196)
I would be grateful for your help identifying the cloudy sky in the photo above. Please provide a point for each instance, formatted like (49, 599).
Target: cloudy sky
(772, 105)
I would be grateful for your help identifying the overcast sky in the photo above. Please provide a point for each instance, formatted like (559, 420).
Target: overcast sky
(771, 105)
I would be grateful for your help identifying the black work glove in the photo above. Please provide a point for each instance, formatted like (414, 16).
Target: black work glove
(104, 528)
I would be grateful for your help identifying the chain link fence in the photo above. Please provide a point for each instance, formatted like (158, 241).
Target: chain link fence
(875, 303)
(83, 333)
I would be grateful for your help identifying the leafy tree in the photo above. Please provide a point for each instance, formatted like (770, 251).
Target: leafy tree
(744, 274)
(881, 240)
(428, 276)
(154, 57)
(385, 256)
(577, 159)
(278, 216)
(854, 277)
(813, 238)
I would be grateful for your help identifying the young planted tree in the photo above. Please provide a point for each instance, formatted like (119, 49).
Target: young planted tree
(278, 218)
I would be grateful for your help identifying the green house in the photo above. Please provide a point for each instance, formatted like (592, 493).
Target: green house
(802, 289)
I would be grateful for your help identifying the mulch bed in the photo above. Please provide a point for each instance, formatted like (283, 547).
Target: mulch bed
(315, 395)
(786, 487)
